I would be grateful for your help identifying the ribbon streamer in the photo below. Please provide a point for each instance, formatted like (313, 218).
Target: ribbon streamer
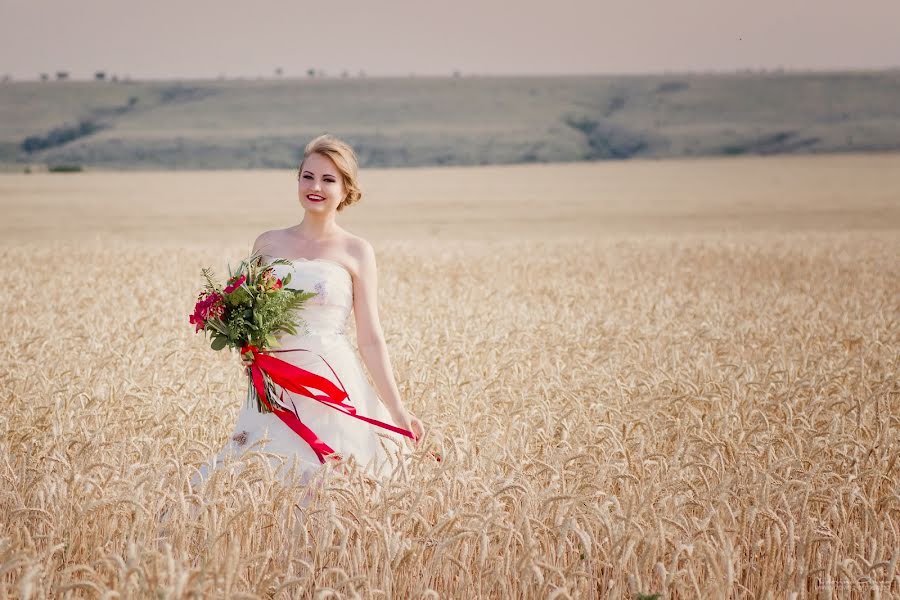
(294, 379)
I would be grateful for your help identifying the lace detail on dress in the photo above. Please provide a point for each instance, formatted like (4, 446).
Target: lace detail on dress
(341, 329)
(321, 296)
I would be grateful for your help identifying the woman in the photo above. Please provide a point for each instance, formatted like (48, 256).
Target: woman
(340, 267)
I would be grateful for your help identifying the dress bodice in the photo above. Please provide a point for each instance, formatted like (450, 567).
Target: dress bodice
(327, 312)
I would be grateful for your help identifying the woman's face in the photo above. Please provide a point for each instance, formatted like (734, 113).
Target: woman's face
(321, 187)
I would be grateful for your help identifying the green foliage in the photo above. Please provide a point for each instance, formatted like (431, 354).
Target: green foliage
(253, 396)
(457, 121)
(210, 278)
(65, 168)
(585, 125)
(257, 310)
(60, 136)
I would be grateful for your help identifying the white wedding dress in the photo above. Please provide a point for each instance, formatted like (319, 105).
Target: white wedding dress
(322, 332)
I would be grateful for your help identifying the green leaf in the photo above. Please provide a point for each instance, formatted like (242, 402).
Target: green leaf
(240, 297)
(218, 342)
(217, 326)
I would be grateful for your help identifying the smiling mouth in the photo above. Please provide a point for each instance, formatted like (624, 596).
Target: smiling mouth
(315, 198)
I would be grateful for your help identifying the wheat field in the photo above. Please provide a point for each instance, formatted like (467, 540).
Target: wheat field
(696, 402)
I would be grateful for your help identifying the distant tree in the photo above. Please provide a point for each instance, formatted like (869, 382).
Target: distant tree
(279, 72)
(6, 78)
(65, 168)
(44, 77)
(132, 101)
(310, 72)
(60, 136)
(62, 75)
(100, 75)
(457, 74)
(345, 74)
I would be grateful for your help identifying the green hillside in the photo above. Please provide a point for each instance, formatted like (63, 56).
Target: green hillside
(436, 121)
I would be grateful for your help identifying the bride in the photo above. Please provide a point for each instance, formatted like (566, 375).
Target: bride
(340, 268)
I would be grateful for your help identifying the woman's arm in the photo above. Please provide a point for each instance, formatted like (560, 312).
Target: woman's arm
(370, 336)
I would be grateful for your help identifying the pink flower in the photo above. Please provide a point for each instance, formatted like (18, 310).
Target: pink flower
(235, 284)
(196, 320)
(216, 311)
(209, 306)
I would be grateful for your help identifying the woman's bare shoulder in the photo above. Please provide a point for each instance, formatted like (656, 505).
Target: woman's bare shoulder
(268, 241)
(350, 248)
(356, 246)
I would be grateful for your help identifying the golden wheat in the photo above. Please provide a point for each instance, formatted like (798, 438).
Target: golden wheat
(690, 417)
(693, 415)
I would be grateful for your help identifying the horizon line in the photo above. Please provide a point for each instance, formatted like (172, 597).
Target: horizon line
(109, 77)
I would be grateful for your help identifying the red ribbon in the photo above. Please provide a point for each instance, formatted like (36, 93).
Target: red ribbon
(294, 379)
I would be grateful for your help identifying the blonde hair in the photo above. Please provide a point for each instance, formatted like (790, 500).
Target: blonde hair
(344, 159)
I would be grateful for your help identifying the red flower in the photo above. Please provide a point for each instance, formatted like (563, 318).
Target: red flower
(216, 311)
(209, 306)
(235, 284)
(196, 320)
(269, 280)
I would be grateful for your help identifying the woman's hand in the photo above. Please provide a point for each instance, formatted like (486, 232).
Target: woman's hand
(409, 421)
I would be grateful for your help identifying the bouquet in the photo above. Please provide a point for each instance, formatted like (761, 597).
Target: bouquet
(248, 312)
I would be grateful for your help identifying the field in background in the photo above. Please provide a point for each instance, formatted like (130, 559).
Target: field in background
(647, 377)
(446, 121)
(513, 202)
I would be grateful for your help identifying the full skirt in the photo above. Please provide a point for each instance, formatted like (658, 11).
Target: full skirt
(376, 450)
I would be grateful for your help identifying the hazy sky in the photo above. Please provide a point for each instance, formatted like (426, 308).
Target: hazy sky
(202, 38)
